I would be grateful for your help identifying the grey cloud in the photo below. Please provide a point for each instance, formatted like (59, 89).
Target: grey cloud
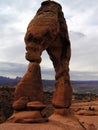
(14, 54)
(21, 5)
(12, 69)
(93, 18)
(74, 75)
(79, 5)
(83, 75)
(84, 53)
(76, 35)
(8, 15)
(48, 73)
(12, 46)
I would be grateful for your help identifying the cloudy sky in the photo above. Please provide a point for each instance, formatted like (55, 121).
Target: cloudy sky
(82, 21)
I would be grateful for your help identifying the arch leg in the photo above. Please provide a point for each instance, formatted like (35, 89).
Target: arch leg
(63, 91)
(30, 85)
(28, 97)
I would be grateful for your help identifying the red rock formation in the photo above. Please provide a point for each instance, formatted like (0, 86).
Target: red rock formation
(46, 31)
(30, 85)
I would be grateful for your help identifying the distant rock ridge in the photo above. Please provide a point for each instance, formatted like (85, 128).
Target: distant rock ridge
(48, 85)
(9, 81)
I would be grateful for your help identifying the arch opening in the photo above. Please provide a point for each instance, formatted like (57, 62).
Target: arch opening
(47, 69)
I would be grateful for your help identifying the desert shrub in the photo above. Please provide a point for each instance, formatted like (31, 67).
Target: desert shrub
(91, 108)
(6, 100)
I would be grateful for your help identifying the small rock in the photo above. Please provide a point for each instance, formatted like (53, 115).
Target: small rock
(36, 105)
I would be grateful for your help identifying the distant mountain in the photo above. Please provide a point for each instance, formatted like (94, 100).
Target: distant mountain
(78, 86)
(48, 85)
(85, 86)
(8, 81)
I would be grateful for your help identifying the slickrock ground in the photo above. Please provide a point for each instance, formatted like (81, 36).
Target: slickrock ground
(56, 122)
(87, 113)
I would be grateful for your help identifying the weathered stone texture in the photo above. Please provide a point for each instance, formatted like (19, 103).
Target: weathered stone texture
(46, 31)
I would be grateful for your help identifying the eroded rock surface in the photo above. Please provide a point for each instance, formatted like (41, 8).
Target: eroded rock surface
(56, 122)
(46, 31)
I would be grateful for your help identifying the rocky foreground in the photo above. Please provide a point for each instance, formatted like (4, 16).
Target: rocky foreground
(83, 116)
(87, 113)
(55, 122)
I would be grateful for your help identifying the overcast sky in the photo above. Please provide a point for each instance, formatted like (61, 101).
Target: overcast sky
(82, 21)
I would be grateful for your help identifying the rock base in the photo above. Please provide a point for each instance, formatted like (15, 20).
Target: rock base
(27, 117)
(56, 122)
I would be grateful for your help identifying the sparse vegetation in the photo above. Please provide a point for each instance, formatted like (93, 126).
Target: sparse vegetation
(91, 108)
(88, 97)
(6, 99)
